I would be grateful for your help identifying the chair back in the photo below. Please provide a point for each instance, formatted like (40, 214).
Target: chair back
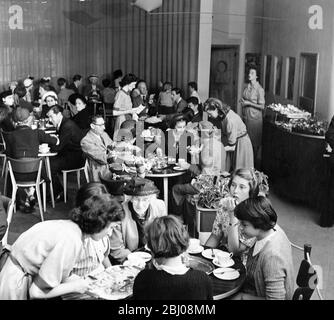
(307, 278)
(3, 141)
(25, 165)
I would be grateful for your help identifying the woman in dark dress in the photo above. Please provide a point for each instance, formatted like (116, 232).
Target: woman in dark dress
(170, 278)
(83, 117)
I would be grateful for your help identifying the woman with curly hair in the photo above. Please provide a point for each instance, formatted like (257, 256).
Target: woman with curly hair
(42, 258)
(234, 134)
(244, 184)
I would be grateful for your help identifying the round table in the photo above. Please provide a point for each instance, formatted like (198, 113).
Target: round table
(225, 288)
(165, 175)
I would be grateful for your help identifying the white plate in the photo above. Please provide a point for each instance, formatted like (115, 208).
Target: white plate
(229, 263)
(229, 274)
(176, 168)
(140, 255)
(207, 253)
(199, 249)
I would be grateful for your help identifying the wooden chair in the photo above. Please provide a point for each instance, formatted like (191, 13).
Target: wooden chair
(307, 277)
(78, 171)
(26, 166)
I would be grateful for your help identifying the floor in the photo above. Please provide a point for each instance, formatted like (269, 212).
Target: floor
(299, 222)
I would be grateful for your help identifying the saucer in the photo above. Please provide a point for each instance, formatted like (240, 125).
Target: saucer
(140, 255)
(177, 168)
(198, 249)
(207, 253)
(226, 273)
(228, 263)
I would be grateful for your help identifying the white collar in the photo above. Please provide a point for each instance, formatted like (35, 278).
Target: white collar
(259, 244)
(180, 269)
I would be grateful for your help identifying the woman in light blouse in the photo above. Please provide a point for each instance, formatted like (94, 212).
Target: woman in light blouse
(253, 103)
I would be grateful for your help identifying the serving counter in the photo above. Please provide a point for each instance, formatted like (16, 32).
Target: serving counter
(295, 164)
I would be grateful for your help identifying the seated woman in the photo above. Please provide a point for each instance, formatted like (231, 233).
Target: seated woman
(84, 114)
(270, 274)
(170, 279)
(43, 257)
(244, 184)
(234, 134)
(95, 256)
(140, 208)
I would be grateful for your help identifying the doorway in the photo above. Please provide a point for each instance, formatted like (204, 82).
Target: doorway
(224, 74)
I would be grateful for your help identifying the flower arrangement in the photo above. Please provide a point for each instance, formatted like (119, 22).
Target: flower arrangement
(212, 189)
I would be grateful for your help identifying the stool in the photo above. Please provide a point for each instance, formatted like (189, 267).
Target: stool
(78, 171)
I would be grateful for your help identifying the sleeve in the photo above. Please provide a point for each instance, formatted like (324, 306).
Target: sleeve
(120, 104)
(219, 227)
(330, 134)
(93, 151)
(117, 246)
(231, 131)
(274, 273)
(260, 96)
(139, 286)
(4, 201)
(64, 139)
(58, 264)
(46, 138)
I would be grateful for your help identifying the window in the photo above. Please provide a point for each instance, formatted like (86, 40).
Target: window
(278, 75)
(267, 73)
(308, 81)
(290, 81)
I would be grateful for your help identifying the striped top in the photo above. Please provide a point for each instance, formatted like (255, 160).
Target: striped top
(92, 256)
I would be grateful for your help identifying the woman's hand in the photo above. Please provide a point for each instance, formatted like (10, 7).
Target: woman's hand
(80, 285)
(228, 204)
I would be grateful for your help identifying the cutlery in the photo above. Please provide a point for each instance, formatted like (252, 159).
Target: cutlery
(226, 271)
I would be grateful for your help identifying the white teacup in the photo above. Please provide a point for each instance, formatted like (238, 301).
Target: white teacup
(194, 244)
(224, 258)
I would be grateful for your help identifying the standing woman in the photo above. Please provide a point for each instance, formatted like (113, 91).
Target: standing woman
(253, 103)
(123, 105)
(41, 259)
(234, 134)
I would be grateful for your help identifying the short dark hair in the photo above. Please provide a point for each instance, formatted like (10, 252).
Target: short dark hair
(56, 109)
(258, 211)
(193, 84)
(177, 118)
(79, 96)
(129, 125)
(188, 114)
(88, 190)
(61, 82)
(117, 73)
(20, 90)
(97, 116)
(76, 77)
(193, 100)
(96, 212)
(177, 90)
(128, 78)
(106, 82)
(167, 237)
(140, 81)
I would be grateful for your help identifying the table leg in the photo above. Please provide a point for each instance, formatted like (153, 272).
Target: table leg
(48, 172)
(166, 192)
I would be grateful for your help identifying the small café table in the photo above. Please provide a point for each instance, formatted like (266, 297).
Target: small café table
(165, 175)
(46, 157)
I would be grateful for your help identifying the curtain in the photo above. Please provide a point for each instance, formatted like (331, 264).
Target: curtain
(60, 38)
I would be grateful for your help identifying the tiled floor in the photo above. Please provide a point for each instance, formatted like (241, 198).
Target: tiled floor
(300, 224)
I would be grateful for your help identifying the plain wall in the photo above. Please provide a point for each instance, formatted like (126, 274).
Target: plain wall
(289, 35)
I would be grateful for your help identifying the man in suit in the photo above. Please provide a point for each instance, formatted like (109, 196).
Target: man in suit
(24, 142)
(95, 145)
(93, 91)
(193, 104)
(69, 150)
(179, 102)
(76, 84)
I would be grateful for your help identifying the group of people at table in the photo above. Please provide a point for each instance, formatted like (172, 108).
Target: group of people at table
(105, 227)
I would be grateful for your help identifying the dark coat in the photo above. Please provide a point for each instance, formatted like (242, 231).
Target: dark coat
(23, 142)
(70, 136)
(83, 118)
(181, 105)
